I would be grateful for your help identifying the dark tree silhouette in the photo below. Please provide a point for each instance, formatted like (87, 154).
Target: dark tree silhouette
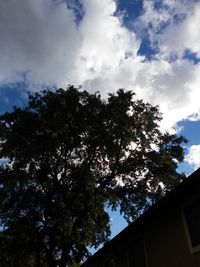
(67, 155)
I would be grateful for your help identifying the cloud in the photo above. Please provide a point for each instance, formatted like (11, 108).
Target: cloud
(193, 157)
(173, 79)
(42, 40)
(38, 38)
(105, 43)
(163, 20)
(183, 35)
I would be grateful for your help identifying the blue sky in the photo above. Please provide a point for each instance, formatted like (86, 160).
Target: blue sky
(149, 46)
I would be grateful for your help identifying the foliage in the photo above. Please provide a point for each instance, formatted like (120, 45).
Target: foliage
(68, 155)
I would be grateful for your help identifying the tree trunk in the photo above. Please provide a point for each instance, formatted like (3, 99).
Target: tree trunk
(65, 258)
(38, 260)
(50, 257)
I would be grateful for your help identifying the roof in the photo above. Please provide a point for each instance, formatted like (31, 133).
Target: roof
(189, 186)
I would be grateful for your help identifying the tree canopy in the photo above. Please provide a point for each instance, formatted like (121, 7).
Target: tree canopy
(65, 156)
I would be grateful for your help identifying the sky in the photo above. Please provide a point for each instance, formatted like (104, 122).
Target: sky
(149, 46)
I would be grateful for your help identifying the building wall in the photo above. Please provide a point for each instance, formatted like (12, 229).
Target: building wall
(165, 245)
(166, 242)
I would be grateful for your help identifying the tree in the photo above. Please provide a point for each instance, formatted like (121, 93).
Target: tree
(67, 155)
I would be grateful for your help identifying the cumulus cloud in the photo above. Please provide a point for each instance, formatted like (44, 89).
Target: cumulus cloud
(173, 81)
(183, 35)
(166, 21)
(105, 43)
(42, 40)
(193, 157)
(38, 38)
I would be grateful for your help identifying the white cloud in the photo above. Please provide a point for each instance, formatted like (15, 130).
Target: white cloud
(172, 82)
(105, 43)
(193, 157)
(175, 87)
(184, 35)
(41, 38)
(37, 37)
